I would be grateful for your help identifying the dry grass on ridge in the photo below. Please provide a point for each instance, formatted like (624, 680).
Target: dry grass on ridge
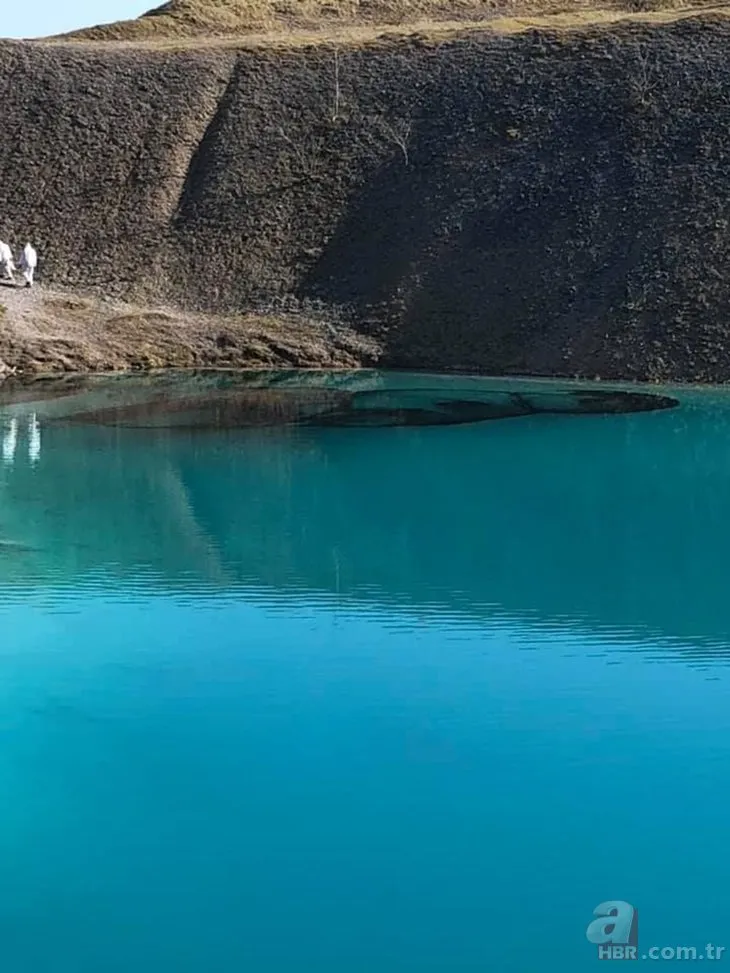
(186, 20)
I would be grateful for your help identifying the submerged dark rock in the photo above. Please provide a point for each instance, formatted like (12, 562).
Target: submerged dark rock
(241, 408)
(608, 402)
(488, 407)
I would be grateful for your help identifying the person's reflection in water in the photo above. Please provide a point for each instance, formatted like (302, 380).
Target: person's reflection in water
(10, 440)
(34, 439)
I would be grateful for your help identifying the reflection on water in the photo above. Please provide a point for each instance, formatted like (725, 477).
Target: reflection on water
(10, 439)
(607, 524)
(300, 696)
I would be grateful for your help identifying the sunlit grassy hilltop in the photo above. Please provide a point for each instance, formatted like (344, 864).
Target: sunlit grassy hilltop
(220, 18)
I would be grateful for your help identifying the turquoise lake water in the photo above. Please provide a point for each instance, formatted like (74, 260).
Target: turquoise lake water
(311, 697)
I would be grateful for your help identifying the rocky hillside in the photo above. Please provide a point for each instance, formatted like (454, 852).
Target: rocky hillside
(551, 200)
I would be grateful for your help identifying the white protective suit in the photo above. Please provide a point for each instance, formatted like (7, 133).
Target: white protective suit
(7, 267)
(28, 264)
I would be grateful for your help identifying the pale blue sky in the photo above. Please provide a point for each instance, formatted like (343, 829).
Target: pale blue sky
(37, 18)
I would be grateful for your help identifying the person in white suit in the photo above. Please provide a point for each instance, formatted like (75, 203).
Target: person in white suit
(7, 266)
(28, 263)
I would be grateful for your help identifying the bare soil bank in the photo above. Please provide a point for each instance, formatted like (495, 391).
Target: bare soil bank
(47, 331)
(551, 202)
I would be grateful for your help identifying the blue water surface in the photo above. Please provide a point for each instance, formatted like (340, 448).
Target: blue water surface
(341, 700)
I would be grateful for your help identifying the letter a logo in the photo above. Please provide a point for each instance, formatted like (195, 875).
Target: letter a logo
(615, 922)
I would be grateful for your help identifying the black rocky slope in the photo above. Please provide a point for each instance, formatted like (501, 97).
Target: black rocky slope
(551, 203)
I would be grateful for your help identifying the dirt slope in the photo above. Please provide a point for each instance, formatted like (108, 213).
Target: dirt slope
(547, 201)
(53, 331)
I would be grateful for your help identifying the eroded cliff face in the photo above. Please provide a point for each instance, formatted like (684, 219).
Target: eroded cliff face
(546, 203)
